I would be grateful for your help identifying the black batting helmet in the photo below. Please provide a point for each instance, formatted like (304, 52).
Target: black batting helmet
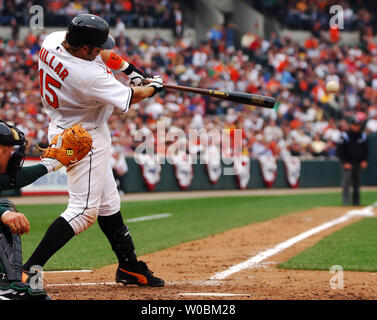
(11, 136)
(89, 29)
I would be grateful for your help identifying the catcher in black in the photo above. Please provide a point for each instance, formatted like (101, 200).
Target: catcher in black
(13, 223)
(353, 155)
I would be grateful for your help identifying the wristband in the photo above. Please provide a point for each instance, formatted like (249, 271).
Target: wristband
(115, 61)
(125, 66)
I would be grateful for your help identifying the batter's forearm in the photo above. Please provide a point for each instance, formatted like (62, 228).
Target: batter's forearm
(141, 93)
(116, 62)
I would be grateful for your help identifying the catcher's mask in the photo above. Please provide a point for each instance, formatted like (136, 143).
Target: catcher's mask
(11, 136)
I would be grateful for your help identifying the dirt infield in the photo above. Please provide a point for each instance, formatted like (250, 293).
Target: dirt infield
(187, 268)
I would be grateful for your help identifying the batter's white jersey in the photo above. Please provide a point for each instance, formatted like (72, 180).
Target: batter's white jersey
(74, 90)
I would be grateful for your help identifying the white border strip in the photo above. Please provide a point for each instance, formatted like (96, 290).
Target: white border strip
(155, 216)
(366, 212)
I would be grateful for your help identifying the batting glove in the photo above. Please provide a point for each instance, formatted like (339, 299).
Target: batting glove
(156, 83)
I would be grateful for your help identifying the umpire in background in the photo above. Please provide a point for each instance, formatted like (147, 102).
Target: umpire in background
(353, 154)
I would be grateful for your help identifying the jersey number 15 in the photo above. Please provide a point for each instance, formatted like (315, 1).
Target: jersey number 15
(49, 82)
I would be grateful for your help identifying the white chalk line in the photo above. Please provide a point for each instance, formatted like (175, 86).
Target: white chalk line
(214, 294)
(254, 261)
(151, 217)
(83, 284)
(66, 271)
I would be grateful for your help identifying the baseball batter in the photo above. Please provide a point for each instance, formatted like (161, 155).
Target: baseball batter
(78, 87)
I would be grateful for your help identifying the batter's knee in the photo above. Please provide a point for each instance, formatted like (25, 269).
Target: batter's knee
(80, 220)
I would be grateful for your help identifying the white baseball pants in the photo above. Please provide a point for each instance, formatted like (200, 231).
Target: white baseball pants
(91, 184)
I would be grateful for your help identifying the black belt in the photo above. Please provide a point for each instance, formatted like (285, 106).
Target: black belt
(64, 128)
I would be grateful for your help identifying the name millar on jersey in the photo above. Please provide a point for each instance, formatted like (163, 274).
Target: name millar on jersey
(48, 58)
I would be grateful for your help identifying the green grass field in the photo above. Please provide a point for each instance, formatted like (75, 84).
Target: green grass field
(354, 248)
(190, 219)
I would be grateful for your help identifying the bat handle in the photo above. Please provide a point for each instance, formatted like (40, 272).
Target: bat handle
(146, 81)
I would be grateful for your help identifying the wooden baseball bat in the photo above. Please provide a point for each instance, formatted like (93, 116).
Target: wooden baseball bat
(240, 97)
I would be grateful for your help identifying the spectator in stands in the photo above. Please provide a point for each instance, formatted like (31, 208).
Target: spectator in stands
(230, 34)
(314, 15)
(147, 13)
(246, 41)
(120, 29)
(15, 29)
(318, 147)
(371, 123)
(177, 20)
(118, 164)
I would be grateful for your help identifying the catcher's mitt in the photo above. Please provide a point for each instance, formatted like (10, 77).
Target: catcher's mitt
(70, 146)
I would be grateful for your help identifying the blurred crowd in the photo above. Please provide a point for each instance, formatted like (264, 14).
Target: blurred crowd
(133, 13)
(308, 122)
(315, 14)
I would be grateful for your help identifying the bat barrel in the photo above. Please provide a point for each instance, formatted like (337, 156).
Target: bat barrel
(240, 97)
(245, 98)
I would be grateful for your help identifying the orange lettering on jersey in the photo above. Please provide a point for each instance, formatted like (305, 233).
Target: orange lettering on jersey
(41, 53)
(58, 68)
(63, 74)
(45, 57)
(50, 63)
